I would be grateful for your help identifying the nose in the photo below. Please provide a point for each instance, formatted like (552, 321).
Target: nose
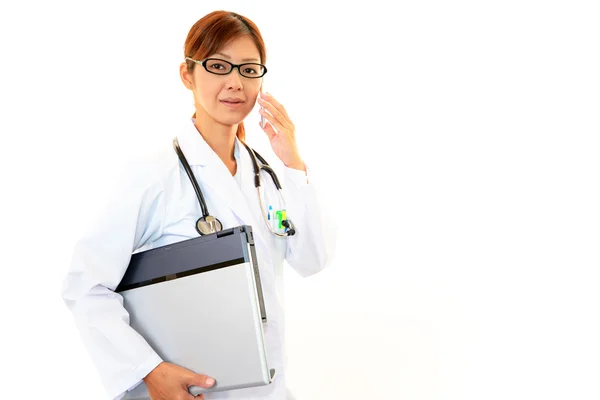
(234, 80)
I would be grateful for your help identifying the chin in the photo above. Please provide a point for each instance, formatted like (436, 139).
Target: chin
(232, 119)
(229, 121)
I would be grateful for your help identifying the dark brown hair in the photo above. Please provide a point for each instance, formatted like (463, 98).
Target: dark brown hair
(213, 32)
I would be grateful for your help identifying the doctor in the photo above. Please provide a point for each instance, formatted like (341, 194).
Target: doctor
(157, 205)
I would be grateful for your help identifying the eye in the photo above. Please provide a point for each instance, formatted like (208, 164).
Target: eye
(216, 66)
(253, 70)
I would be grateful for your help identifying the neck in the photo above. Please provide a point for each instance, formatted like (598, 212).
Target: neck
(219, 137)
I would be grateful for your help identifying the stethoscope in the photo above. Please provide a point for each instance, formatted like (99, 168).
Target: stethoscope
(208, 224)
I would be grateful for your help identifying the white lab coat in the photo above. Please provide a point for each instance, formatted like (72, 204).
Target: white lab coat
(156, 205)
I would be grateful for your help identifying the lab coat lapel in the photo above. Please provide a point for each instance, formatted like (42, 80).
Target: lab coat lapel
(251, 200)
(217, 178)
(213, 175)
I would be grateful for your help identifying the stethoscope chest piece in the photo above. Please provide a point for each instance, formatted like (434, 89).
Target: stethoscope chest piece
(207, 225)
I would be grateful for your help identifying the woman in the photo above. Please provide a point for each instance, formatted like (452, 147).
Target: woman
(223, 68)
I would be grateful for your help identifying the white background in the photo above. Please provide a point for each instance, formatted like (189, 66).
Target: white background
(459, 141)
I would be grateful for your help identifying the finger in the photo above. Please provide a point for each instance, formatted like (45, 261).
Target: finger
(278, 115)
(190, 397)
(273, 123)
(269, 97)
(269, 130)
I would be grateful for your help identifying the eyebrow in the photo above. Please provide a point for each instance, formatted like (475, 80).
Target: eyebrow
(244, 60)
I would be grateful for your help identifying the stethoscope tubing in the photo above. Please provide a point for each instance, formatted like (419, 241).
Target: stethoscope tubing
(190, 175)
(215, 224)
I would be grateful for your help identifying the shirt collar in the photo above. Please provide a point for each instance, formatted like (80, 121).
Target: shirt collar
(236, 149)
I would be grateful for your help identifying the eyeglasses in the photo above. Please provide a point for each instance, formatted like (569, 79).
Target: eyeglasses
(222, 67)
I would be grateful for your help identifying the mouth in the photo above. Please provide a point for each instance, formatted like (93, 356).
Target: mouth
(232, 103)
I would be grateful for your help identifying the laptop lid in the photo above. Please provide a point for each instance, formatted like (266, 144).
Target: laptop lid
(199, 305)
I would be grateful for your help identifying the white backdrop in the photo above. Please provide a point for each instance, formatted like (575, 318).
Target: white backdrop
(459, 142)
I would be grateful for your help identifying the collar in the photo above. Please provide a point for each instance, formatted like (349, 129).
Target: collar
(236, 149)
(195, 148)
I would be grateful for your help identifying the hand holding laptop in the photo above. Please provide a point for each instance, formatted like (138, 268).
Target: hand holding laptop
(170, 381)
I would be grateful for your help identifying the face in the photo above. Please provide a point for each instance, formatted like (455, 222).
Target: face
(227, 99)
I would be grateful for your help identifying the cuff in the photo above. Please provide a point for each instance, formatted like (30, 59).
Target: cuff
(117, 391)
(297, 177)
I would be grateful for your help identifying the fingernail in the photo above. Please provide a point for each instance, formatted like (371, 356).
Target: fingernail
(210, 381)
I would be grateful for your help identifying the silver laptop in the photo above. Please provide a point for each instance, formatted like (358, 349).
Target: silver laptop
(199, 304)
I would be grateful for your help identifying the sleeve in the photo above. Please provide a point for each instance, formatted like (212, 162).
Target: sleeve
(134, 217)
(311, 249)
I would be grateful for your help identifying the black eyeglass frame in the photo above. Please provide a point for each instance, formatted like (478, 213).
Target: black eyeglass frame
(233, 66)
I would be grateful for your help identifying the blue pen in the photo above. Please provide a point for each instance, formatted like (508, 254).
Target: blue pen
(269, 213)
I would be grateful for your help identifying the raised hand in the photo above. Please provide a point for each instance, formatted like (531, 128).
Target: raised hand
(280, 131)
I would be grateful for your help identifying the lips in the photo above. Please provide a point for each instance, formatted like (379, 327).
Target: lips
(232, 102)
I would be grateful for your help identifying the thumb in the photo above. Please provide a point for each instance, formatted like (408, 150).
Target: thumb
(201, 380)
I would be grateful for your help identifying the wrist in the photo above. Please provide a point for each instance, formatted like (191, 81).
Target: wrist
(153, 373)
(296, 164)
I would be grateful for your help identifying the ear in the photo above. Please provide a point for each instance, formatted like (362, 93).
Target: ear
(186, 76)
